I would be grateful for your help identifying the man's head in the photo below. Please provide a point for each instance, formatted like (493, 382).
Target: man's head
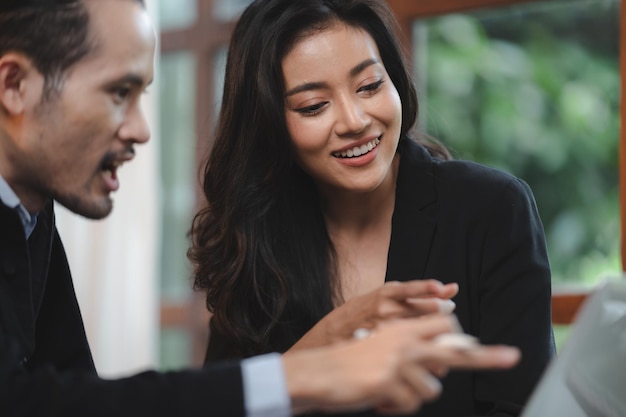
(71, 76)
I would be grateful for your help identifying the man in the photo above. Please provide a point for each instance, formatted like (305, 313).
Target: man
(71, 74)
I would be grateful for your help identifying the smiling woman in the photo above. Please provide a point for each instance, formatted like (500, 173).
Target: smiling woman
(320, 198)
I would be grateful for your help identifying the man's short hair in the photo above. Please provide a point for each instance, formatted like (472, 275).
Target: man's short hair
(54, 34)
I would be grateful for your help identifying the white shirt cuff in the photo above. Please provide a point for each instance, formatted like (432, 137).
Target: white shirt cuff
(264, 386)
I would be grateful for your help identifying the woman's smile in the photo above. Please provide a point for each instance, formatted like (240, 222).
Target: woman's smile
(358, 150)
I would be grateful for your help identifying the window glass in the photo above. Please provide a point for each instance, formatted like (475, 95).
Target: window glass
(177, 14)
(175, 349)
(534, 90)
(177, 133)
(227, 10)
(177, 124)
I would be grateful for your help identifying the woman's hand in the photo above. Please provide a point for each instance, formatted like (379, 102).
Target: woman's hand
(391, 301)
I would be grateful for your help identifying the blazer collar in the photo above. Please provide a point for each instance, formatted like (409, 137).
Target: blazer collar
(414, 218)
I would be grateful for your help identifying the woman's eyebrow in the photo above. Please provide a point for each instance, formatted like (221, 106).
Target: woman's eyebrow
(361, 67)
(356, 70)
(306, 87)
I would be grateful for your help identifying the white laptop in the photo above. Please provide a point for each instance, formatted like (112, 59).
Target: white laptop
(588, 377)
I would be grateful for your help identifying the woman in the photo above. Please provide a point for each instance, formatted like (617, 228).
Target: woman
(318, 198)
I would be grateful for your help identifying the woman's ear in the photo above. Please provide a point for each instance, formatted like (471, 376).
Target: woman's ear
(19, 79)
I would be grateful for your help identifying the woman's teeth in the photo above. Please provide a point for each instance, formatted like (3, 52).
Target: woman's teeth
(358, 150)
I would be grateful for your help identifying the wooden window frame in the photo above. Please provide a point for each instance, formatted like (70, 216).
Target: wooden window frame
(204, 38)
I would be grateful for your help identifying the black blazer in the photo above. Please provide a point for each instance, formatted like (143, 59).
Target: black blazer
(46, 366)
(458, 221)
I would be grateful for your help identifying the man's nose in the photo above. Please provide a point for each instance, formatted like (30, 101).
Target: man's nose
(135, 127)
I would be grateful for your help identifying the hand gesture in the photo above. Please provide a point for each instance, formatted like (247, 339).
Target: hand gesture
(390, 369)
(391, 301)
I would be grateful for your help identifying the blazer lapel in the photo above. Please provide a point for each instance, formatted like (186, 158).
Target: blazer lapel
(414, 218)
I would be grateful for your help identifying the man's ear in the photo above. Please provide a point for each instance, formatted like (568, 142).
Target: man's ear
(19, 80)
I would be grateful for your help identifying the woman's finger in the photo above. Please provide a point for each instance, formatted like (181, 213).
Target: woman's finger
(430, 305)
(417, 288)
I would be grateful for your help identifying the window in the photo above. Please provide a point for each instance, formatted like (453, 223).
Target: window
(534, 89)
(194, 38)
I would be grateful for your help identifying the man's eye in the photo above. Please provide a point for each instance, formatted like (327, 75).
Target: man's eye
(312, 110)
(122, 92)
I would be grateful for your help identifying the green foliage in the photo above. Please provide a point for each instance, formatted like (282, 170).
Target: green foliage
(537, 94)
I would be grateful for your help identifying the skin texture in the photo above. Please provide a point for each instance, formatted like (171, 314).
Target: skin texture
(68, 147)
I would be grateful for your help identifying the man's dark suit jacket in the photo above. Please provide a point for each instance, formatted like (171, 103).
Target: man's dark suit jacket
(46, 368)
(458, 221)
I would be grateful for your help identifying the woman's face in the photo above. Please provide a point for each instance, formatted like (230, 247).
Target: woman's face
(343, 112)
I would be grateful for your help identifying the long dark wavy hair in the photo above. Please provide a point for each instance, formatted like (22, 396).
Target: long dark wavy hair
(260, 247)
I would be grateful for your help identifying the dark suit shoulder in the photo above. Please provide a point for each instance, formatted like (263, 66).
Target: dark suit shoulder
(477, 178)
(461, 172)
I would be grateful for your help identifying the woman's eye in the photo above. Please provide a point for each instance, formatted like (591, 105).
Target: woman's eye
(371, 87)
(311, 110)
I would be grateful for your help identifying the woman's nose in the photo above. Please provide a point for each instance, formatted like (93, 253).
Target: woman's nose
(351, 117)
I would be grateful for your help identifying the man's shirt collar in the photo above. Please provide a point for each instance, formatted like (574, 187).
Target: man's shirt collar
(10, 199)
